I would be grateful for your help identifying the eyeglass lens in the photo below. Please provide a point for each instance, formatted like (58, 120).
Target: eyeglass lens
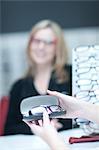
(42, 108)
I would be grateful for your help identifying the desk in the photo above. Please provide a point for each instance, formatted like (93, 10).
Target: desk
(32, 142)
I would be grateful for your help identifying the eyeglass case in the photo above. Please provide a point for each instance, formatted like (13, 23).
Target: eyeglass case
(29, 103)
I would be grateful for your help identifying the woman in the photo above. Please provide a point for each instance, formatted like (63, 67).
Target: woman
(48, 69)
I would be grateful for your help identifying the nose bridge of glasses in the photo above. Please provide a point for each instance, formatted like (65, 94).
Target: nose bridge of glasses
(41, 43)
(52, 107)
(44, 41)
(46, 107)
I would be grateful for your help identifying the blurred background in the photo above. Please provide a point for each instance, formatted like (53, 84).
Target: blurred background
(79, 19)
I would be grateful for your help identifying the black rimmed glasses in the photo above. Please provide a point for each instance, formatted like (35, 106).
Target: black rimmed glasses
(42, 108)
(36, 113)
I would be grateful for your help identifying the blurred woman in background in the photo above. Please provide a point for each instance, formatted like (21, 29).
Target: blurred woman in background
(48, 69)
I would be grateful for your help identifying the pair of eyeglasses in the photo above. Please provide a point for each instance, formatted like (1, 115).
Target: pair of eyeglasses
(36, 113)
(86, 49)
(40, 109)
(88, 64)
(91, 69)
(88, 126)
(91, 128)
(87, 75)
(92, 96)
(46, 42)
(89, 59)
(87, 81)
(87, 87)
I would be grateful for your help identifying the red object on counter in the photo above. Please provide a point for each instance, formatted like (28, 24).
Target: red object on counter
(83, 139)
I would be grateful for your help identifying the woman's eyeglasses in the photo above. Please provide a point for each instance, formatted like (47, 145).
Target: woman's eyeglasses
(44, 41)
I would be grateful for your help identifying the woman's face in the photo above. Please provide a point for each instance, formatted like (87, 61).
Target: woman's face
(43, 47)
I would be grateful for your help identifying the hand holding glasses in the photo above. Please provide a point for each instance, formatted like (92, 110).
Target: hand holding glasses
(32, 108)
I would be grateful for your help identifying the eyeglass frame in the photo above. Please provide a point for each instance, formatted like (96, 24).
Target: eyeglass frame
(46, 42)
(87, 96)
(39, 116)
(86, 47)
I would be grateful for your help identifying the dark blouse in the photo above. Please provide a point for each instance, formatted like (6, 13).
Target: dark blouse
(24, 88)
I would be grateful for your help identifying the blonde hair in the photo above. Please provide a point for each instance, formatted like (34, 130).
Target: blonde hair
(61, 55)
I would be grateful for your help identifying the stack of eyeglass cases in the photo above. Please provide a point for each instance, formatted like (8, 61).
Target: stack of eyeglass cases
(85, 79)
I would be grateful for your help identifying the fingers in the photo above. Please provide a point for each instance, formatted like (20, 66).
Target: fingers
(51, 92)
(40, 122)
(63, 97)
(56, 124)
(55, 93)
(46, 119)
(28, 123)
(34, 128)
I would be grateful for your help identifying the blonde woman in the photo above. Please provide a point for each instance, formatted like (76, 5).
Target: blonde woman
(48, 69)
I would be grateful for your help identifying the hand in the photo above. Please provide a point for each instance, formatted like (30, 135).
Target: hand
(46, 128)
(72, 105)
(48, 133)
(57, 124)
